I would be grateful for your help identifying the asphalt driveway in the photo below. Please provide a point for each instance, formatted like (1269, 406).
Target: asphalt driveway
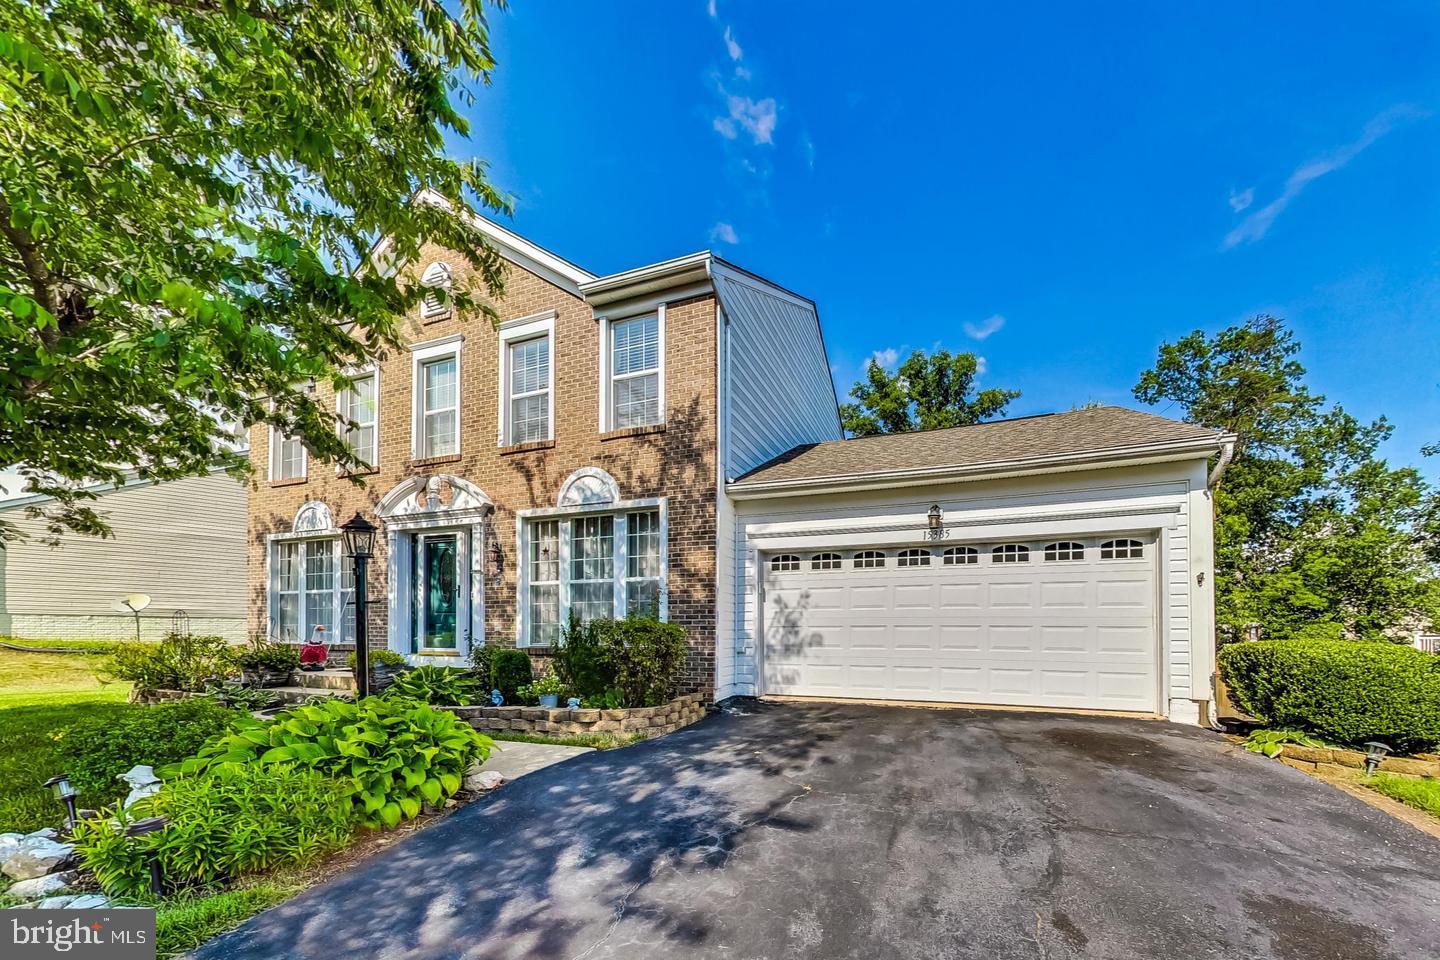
(843, 831)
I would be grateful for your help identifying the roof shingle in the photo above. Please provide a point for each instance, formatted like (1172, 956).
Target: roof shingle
(1090, 430)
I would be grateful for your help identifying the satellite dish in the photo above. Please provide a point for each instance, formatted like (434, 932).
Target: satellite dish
(133, 602)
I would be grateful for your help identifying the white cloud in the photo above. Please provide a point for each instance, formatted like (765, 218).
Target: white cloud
(983, 329)
(981, 365)
(1256, 225)
(710, 9)
(1239, 201)
(731, 46)
(755, 117)
(723, 233)
(742, 72)
(887, 357)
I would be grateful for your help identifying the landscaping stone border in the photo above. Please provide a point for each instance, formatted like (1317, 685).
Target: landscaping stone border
(1319, 758)
(649, 721)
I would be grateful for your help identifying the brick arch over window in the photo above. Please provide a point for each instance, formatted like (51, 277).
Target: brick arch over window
(439, 493)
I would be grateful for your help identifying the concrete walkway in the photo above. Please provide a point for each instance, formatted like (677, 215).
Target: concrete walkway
(513, 759)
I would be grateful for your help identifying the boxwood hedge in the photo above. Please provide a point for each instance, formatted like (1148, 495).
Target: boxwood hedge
(1345, 691)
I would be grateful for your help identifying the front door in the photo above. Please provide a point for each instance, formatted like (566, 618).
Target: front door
(439, 577)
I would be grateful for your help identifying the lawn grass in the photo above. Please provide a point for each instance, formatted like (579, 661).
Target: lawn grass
(86, 646)
(598, 741)
(1422, 794)
(39, 694)
(184, 922)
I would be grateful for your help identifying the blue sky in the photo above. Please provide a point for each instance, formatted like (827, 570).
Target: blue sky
(1058, 188)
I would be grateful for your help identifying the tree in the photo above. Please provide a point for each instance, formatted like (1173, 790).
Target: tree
(924, 393)
(1314, 533)
(187, 188)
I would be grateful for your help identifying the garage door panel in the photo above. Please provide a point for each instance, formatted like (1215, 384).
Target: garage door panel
(915, 596)
(1012, 681)
(870, 598)
(913, 637)
(1013, 638)
(962, 637)
(1011, 595)
(1134, 593)
(1066, 594)
(962, 596)
(1066, 638)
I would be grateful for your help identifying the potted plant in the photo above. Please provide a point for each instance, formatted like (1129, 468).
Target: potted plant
(547, 690)
(264, 663)
(385, 665)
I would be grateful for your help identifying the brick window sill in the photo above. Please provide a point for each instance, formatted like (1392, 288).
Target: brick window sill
(633, 431)
(366, 472)
(434, 461)
(526, 447)
(291, 482)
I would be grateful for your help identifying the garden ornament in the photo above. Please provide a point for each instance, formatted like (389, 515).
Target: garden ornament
(573, 703)
(497, 699)
(143, 783)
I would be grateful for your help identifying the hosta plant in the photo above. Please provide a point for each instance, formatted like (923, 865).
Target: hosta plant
(1272, 742)
(391, 756)
(438, 686)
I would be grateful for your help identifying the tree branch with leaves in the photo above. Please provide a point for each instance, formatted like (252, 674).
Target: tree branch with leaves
(926, 392)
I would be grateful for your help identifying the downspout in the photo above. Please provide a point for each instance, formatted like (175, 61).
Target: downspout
(1217, 473)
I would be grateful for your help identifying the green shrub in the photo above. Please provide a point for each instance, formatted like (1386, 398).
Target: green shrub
(548, 685)
(264, 654)
(390, 755)
(1342, 690)
(96, 751)
(231, 821)
(480, 665)
(582, 660)
(438, 686)
(175, 663)
(509, 671)
(647, 656)
(380, 657)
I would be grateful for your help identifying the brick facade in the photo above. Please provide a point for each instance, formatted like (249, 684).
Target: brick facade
(676, 460)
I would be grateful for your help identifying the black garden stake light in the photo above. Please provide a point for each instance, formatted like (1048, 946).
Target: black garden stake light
(1374, 753)
(65, 792)
(139, 829)
(359, 535)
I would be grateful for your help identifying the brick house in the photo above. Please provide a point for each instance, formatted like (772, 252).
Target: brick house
(669, 436)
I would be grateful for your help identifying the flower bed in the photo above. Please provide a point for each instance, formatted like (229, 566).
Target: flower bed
(647, 721)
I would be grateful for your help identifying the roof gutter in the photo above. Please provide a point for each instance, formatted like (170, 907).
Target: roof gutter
(994, 469)
(650, 279)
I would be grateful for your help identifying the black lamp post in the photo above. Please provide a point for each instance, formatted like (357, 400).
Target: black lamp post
(359, 535)
(65, 792)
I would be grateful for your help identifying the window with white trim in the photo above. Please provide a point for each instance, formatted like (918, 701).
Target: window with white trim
(439, 406)
(642, 562)
(869, 560)
(528, 362)
(825, 561)
(1122, 550)
(545, 582)
(311, 587)
(359, 415)
(287, 457)
(635, 372)
(435, 306)
(592, 567)
(1064, 550)
(912, 558)
(785, 563)
(961, 555)
(1010, 553)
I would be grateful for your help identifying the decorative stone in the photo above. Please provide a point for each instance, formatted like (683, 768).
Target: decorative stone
(36, 887)
(587, 715)
(9, 843)
(84, 901)
(46, 833)
(38, 856)
(143, 783)
(484, 781)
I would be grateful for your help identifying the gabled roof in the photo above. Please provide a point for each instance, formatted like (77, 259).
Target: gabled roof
(1078, 436)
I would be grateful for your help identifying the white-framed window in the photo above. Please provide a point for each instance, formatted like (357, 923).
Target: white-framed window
(358, 406)
(633, 389)
(912, 558)
(785, 563)
(527, 380)
(1122, 550)
(960, 555)
(590, 565)
(1010, 553)
(1064, 550)
(311, 586)
(869, 560)
(825, 561)
(437, 276)
(287, 457)
(435, 430)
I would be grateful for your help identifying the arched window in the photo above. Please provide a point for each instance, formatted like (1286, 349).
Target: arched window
(958, 555)
(1010, 553)
(437, 276)
(1122, 550)
(825, 561)
(1065, 550)
(869, 560)
(785, 563)
(912, 558)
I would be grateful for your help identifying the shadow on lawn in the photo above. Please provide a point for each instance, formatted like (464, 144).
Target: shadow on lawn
(538, 868)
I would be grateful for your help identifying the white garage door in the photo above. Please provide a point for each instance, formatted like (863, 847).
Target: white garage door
(1054, 623)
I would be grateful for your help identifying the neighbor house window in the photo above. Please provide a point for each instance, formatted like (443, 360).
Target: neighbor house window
(825, 561)
(959, 555)
(912, 558)
(1010, 553)
(1066, 550)
(436, 305)
(613, 565)
(287, 457)
(869, 560)
(635, 372)
(529, 365)
(1122, 550)
(358, 418)
(436, 373)
(309, 590)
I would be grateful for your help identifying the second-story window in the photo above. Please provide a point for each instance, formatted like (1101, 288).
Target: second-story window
(357, 407)
(635, 372)
(437, 398)
(529, 364)
(287, 457)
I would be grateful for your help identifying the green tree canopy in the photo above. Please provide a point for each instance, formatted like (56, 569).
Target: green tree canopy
(187, 188)
(926, 392)
(1315, 534)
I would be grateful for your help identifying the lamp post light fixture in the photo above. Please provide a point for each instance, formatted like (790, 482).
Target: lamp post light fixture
(139, 829)
(359, 535)
(65, 792)
(1374, 753)
(935, 526)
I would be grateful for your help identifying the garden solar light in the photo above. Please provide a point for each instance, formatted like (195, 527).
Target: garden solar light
(138, 829)
(1374, 753)
(64, 792)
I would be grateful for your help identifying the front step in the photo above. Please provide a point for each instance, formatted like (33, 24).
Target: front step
(328, 679)
(293, 695)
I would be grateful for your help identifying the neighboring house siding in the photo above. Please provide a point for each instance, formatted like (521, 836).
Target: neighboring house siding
(181, 542)
(778, 389)
(1173, 493)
